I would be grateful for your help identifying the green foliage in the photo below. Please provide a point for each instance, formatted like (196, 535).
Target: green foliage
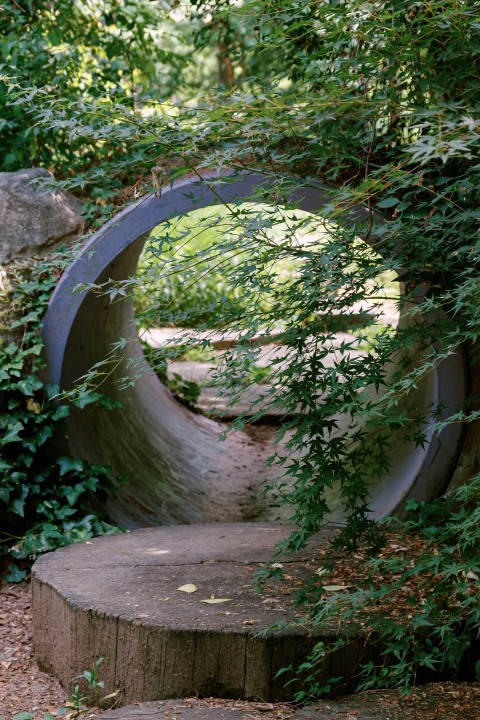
(307, 674)
(426, 618)
(76, 705)
(176, 271)
(379, 101)
(45, 498)
(185, 391)
(80, 51)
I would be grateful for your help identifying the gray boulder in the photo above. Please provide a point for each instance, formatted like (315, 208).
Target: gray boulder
(33, 219)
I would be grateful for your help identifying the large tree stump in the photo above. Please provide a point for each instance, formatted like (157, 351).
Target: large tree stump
(117, 597)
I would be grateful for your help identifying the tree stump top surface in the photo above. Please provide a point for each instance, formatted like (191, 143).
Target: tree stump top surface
(137, 575)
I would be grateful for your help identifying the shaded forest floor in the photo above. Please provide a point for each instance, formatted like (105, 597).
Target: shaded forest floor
(23, 687)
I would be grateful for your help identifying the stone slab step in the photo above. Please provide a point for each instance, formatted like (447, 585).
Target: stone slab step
(353, 707)
(158, 337)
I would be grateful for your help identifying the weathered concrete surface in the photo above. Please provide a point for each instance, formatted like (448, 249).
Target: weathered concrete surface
(349, 708)
(31, 219)
(469, 461)
(178, 471)
(117, 597)
(172, 711)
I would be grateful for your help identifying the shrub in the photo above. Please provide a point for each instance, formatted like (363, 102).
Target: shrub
(46, 499)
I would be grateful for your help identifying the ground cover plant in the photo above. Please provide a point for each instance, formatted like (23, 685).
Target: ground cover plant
(377, 105)
(417, 600)
(45, 496)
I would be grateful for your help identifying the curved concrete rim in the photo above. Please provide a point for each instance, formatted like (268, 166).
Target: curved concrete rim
(178, 471)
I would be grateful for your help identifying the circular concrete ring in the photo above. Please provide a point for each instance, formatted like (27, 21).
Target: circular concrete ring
(178, 471)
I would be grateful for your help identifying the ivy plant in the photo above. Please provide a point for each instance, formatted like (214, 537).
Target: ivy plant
(46, 498)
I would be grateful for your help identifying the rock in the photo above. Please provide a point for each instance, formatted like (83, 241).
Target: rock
(173, 711)
(32, 219)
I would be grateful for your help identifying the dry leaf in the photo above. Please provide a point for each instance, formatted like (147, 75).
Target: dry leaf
(264, 707)
(33, 406)
(215, 601)
(188, 588)
(336, 588)
(111, 695)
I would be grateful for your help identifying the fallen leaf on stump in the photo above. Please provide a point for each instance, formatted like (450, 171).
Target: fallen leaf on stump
(336, 588)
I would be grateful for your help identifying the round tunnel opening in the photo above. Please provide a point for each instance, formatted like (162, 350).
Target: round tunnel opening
(190, 288)
(178, 470)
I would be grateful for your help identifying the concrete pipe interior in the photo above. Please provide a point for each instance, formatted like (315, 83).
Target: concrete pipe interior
(178, 471)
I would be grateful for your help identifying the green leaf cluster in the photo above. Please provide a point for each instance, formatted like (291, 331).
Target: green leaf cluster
(178, 265)
(421, 614)
(80, 51)
(80, 697)
(45, 498)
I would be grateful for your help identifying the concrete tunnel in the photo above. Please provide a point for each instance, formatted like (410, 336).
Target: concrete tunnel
(178, 471)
